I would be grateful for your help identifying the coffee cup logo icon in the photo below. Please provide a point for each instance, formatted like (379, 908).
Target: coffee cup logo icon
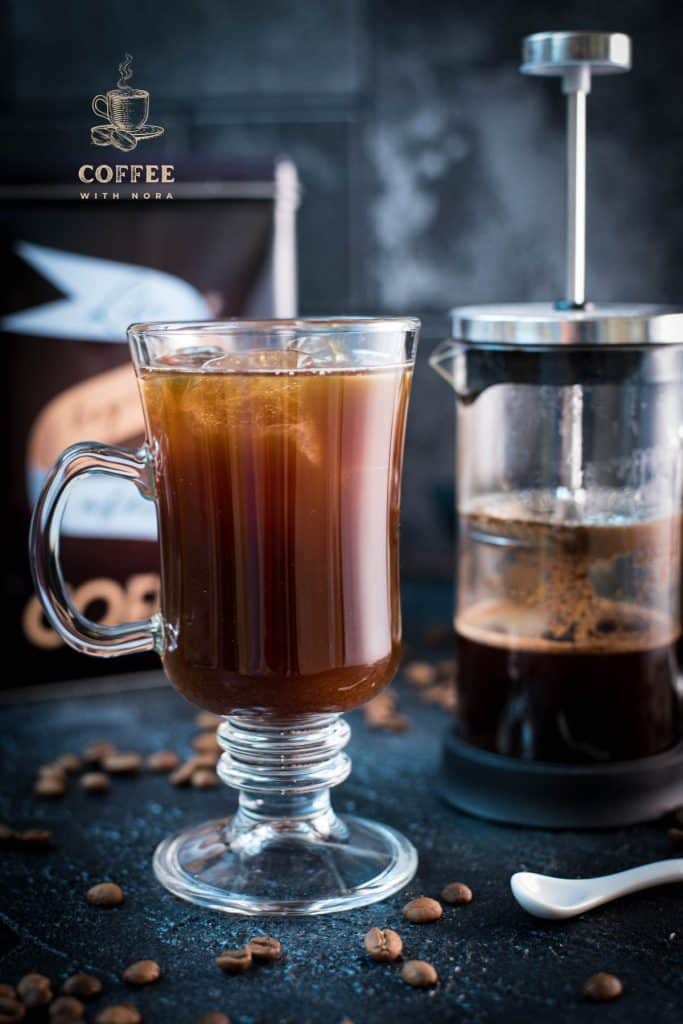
(125, 111)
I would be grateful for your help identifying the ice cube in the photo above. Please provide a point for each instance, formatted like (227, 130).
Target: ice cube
(254, 360)
(322, 350)
(191, 358)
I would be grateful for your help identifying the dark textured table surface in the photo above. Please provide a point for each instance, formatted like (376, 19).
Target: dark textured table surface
(495, 963)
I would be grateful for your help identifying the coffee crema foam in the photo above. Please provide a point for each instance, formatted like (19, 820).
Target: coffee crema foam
(601, 582)
(618, 627)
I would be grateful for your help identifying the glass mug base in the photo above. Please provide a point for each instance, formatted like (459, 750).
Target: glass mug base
(272, 872)
(285, 851)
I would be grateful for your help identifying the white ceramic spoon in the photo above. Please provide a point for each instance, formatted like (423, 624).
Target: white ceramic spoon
(554, 898)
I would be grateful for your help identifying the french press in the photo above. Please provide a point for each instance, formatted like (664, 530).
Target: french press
(569, 492)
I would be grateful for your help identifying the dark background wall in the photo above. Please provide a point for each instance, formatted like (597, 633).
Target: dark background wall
(432, 170)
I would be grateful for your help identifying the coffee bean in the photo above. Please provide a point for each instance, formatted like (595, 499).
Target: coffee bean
(446, 668)
(34, 839)
(125, 762)
(53, 768)
(395, 722)
(213, 1017)
(142, 972)
(443, 696)
(204, 778)
(419, 673)
(8, 992)
(601, 987)
(206, 743)
(383, 944)
(34, 990)
(66, 1010)
(456, 893)
(380, 706)
(677, 816)
(264, 949)
(207, 720)
(423, 910)
(182, 776)
(419, 974)
(50, 786)
(676, 836)
(11, 1010)
(95, 782)
(163, 761)
(7, 835)
(105, 894)
(121, 1013)
(438, 636)
(85, 986)
(234, 961)
(96, 752)
(70, 763)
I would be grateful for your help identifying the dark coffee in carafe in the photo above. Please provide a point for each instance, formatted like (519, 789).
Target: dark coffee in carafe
(575, 661)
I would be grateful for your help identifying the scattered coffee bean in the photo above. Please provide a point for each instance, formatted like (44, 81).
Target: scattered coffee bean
(213, 1017)
(66, 1010)
(204, 778)
(438, 636)
(397, 723)
(70, 763)
(7, 834)
(264, 949)
(443, 695)
(205, 760)
(125, 762)
(11, 1010)
(456, 893)
(50, 786)
(52, 770)
(34, 839)
(8, 992)
(423, 910)
(677, 816)
(122, 1013)
(28, 839)
(163, 761)
(105, 894)
(85, 986)
(419, 974)
(96, 752)
(206, 743)
(34, 990)
(207, 720)
(95, 782)
(182, 776)
(676, 836)
(234, 961)
(602, 987)
(419, 673)
(446, 668)
(380, 708)
(383, 944)
(142, 972)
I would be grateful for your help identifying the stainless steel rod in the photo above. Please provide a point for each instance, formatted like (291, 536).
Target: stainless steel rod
(576, 197)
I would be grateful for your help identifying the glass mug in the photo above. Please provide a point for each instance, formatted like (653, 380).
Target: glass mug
(273, 456)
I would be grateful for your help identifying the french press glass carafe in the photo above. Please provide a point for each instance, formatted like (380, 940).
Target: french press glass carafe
(569, 485)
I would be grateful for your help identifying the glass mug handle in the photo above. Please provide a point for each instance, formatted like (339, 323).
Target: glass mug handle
(97, 100)
(83, 634)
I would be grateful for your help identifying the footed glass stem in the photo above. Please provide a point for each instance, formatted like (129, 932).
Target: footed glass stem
(285, 851)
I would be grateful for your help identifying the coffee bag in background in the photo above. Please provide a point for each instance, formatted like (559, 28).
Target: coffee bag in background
(76, 273)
